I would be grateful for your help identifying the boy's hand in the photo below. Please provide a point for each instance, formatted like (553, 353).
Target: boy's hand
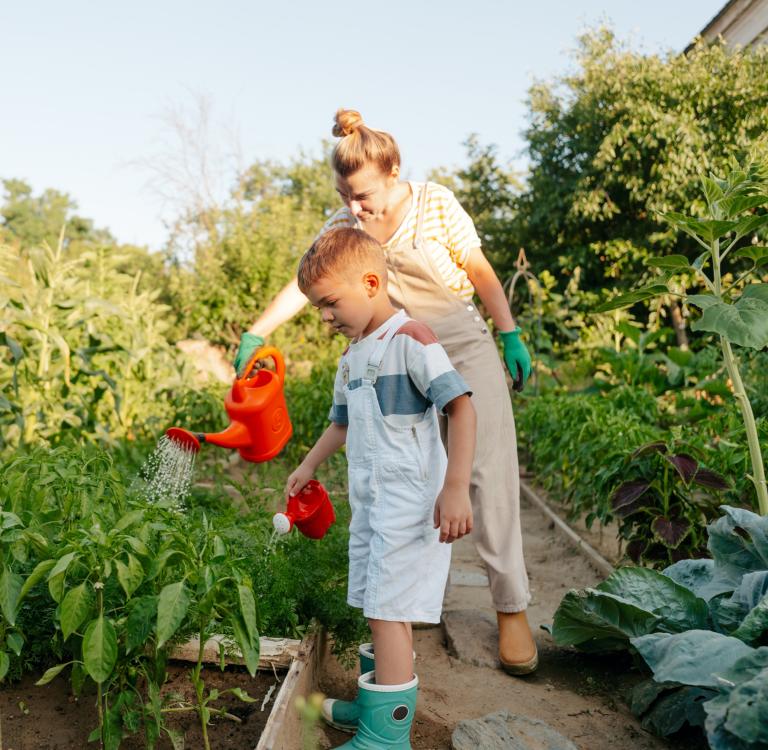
(298, 480)
(453, 513)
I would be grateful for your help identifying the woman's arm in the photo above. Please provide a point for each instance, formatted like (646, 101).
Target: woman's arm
(489, 289)
(283, 307)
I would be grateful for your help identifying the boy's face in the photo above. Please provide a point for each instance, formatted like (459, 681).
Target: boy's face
(347, 301)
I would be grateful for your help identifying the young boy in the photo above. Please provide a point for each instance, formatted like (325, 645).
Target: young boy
(406, 496)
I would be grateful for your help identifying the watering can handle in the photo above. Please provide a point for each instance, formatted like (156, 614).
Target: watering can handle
(264, 353)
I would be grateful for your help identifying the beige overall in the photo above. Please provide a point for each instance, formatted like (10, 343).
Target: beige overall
(416, 286)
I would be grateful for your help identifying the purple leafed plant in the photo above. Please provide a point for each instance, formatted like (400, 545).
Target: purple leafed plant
(664, 504)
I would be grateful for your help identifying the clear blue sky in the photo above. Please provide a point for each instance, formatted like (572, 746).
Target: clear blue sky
(86, 84)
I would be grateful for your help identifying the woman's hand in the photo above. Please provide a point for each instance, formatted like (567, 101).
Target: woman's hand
(516, 357)
(453, 512)
(298, 480)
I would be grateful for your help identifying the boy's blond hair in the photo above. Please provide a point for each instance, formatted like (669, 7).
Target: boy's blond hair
(342, 251)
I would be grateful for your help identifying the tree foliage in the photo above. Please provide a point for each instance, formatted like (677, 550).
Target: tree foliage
(625, 137)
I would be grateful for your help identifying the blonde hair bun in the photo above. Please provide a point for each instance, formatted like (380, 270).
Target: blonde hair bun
(346, 122)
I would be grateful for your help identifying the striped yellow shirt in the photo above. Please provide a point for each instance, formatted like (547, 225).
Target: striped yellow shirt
(448, 234)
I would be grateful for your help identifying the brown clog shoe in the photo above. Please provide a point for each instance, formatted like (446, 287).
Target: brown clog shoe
(517, 649)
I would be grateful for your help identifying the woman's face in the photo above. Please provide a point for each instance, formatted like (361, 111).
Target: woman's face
(368, 192)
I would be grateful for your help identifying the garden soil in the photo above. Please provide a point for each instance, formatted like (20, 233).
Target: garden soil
(49, 718)
(581, 697)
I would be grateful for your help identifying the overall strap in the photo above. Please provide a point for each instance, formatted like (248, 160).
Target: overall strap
(377, 353)
(420, 217)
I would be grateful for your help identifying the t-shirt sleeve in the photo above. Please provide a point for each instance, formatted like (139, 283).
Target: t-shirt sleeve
(460, 234)
(429, 367)
(341, 218)
(338, 413)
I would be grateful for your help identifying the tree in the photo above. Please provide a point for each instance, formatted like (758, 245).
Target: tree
(624, 138)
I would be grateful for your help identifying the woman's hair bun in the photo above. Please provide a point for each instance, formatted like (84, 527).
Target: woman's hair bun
(346, 122)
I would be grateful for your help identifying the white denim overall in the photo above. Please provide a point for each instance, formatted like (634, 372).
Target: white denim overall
(397, 567)
(416, 285)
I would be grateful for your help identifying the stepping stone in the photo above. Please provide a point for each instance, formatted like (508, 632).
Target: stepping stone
(503, 730)
(464, 577)
(472, 637)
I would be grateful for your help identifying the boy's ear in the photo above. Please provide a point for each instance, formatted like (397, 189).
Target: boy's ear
(372, 283)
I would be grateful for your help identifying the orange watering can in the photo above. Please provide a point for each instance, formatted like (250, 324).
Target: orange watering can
(260, 426)
(310, 510)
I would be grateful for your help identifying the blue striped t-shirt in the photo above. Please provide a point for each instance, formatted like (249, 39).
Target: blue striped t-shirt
(415, 373)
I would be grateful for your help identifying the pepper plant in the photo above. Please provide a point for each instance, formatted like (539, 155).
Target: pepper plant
(732, 308)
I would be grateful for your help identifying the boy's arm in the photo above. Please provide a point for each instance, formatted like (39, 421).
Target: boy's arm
(328, 443)
(453, 510)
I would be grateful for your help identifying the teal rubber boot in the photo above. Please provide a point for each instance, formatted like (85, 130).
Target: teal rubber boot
(386, 715)
(344, 715)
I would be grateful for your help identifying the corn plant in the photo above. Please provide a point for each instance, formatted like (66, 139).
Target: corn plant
(733, 308)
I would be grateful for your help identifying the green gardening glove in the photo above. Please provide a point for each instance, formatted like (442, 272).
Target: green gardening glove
(249, 343)
(516, 357)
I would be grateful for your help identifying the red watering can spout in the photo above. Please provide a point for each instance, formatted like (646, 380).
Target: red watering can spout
(309, 510)
(259, 424)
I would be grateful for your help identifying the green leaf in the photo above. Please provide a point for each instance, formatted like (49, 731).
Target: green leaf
(736, 204)
(692, 574)
(738, 541)
(51, 673)
(16, 351)
(171, 610)
(707, 230)
(669, 262)
(130, 575)
(241, 694)
(754, 624)
(10, 588)
(248, 649)
(62, 564)
(219, 550)
(739, 715)
(757, 254)
(75, 607)
(140, 620)
(626, 300)
(702, 301)
(15, 642)
(595, 620)
(750, 225)
(100, 649)
(248, 611)
(677, 607)
(129, 519)
(5, 663)
(679, 657)
(139, 547)
(744, 323)
(712, 191)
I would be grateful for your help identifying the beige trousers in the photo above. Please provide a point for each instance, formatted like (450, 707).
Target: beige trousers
(416, 285)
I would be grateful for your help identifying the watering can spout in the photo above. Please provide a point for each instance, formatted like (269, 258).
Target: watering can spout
(236, 436)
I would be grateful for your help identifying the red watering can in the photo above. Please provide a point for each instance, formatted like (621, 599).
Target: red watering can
(310, 510)
(260, 426)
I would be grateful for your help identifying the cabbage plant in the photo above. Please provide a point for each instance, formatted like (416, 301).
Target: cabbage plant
(701, 626)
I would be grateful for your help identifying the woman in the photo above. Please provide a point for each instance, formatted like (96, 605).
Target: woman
(435, 266)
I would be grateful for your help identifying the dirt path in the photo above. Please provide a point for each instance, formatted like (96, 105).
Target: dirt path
(581, 698)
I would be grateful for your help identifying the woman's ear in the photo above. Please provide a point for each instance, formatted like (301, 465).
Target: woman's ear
(395, 171)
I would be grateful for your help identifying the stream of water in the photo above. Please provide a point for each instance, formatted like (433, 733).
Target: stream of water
(168, 472)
